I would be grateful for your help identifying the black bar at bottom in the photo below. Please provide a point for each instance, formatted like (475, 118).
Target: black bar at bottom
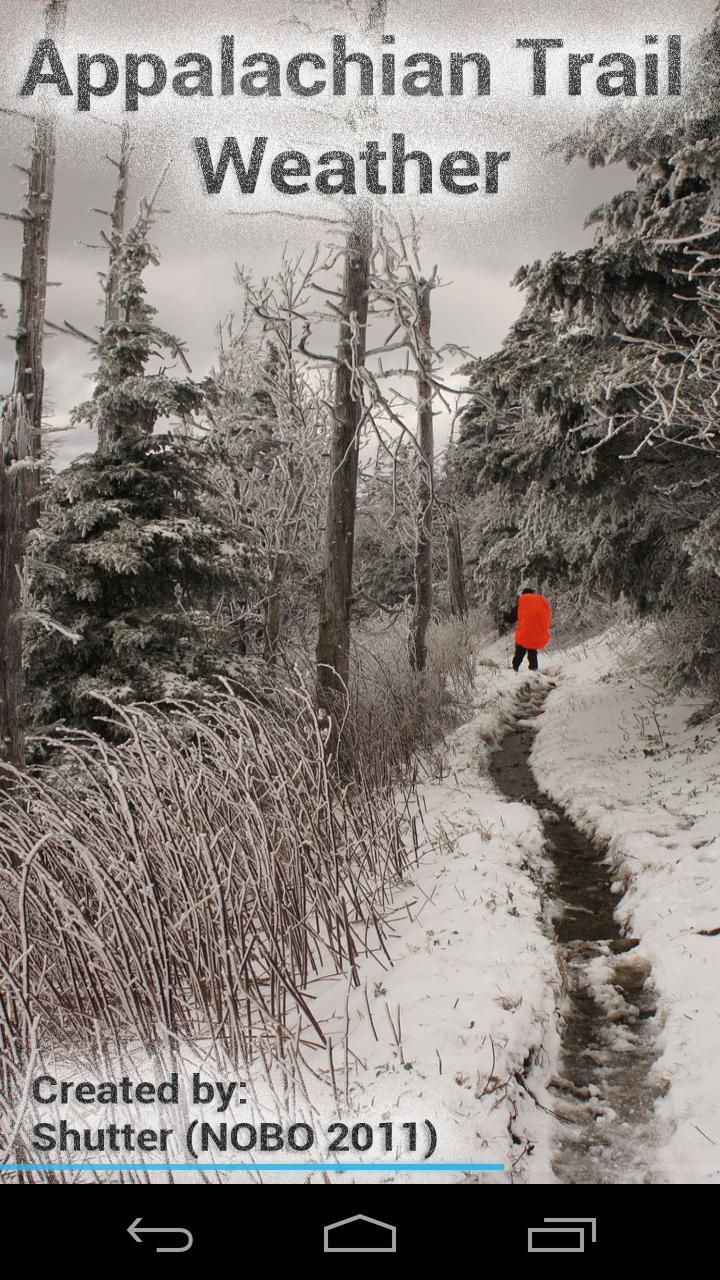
(262, 1226)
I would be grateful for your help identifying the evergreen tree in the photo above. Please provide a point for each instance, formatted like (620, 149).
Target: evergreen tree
(128, 400)
(561, 440)
(131, 561)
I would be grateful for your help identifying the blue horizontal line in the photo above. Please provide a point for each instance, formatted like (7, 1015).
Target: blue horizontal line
(359, 1167)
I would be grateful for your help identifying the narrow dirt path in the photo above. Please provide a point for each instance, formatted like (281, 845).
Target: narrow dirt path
(602, 1098)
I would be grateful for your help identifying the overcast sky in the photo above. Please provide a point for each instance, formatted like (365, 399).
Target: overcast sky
(477, 241)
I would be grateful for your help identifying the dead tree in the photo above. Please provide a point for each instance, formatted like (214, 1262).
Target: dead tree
(347, 303)
(348, 410)
(114, 243)
(402, 292)
(333, 644)
(457, 590)
(422, 611)
(15, 459)
(22, 413)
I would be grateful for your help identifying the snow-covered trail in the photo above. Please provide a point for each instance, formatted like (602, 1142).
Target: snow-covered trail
(602, 1095)
(507, 975)
(461, 1027)
(638, 771)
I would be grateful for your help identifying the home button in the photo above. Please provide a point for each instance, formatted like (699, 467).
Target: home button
(360, 1234)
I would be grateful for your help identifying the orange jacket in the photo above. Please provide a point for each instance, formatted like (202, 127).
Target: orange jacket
(534, 618)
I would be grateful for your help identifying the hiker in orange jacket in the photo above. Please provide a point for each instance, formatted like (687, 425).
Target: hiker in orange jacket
(532, 615)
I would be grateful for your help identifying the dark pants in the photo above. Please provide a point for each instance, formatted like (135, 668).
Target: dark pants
(520, 654)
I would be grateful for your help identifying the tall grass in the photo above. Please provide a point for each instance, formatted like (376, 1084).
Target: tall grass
(186, 885)
(184, 879)
(396, 714)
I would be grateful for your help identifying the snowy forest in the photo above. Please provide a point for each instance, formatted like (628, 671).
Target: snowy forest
(271, 794)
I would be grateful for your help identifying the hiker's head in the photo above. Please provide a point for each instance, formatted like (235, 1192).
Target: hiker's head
(527, 591)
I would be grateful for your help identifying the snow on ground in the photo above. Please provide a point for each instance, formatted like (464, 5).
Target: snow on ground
(462, 1029)
(471, 994)
(617, 752)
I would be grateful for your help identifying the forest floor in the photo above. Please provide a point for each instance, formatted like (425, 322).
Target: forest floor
(553, 1002)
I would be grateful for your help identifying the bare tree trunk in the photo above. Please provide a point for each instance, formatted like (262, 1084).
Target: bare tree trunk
(13, 508)
(115, 242)
(21, 443)
(333, 645)
(117, 224)
(29, 382)
(456, 568)
(422, 612)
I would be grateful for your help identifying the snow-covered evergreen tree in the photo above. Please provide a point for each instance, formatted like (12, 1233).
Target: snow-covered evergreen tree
(131, 563)
(128, 400)
(579, 486)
